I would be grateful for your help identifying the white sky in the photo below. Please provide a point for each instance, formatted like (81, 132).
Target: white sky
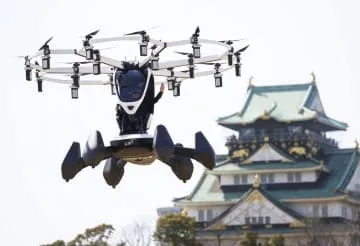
(289, 40)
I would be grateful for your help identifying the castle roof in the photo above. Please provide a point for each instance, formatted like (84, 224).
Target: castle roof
(340, 165)
(282, 104)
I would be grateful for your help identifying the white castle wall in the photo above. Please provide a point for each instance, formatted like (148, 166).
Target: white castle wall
(307, 176)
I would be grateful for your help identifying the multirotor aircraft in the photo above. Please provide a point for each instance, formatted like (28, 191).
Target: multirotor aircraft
(133, 82)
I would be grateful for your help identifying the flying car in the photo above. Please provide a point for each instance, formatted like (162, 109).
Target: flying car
(133, 83)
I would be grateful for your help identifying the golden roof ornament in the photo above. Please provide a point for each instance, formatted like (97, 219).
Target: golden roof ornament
(250, 81)
(256, 183)
(313, 77)
(184, 212)
(357, 145)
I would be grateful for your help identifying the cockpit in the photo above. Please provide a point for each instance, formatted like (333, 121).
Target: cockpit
(130, 85)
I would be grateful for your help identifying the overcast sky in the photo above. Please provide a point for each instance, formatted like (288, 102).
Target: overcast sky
(288, 40)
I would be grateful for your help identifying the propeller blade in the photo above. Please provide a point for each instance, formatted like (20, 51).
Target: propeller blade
(134, 33)
(27, 57)
(45, 44)
(212, 63)
(142, 32)
(197, 30)
(183, 53)
(80, 62)
(90, 35)
(230, 41)
(242, 49)
(186, 71)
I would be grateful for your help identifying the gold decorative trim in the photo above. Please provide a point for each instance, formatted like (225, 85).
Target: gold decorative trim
(313, 77)
(256, 183)
(297, 224)
(297, 150)
(250, 81)
(241, 153)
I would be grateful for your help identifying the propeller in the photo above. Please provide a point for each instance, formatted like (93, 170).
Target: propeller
(185, 53)
(197, 31)
(78, 63)
(187, 71)
(45, 45)
(213, 63)
(27, 59)
(91, 35)
(230, 41)
(142, 32)
(241, 50)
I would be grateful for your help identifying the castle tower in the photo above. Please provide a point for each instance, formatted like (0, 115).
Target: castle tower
(280, 172)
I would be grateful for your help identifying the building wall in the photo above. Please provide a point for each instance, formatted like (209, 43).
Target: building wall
(309, 176)
(334, 209)
(330, 239)
(208, 212)
(313, 209)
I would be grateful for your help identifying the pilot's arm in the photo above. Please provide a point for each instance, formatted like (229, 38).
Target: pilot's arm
(159, 95)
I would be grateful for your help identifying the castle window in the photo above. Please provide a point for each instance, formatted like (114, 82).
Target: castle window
(249, 132)
(261, 220)
(324, 210)
(209, 214)
(263, 178)
(236, 179)
(201, 215)
(290, 177)
(353, 213)
(344, 211)
(316, 210)
(298, 177)
(247, 220)
(253, 220)
(295, 129)
(267, 219)
(262, 132)
(271, 178)
(244, 179)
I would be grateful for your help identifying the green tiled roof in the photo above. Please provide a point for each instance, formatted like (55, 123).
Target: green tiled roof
(339, 163)
(350, 169)
(282, 103)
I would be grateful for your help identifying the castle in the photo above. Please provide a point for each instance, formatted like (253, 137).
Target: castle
(282, 174)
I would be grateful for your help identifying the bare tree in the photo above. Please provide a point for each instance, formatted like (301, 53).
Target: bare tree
(137, 234)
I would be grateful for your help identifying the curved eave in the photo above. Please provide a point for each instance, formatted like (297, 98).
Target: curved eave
(348, 174)
(259, 171)
(324, 123)
(336, 125)
(189, 203)
(335, 198)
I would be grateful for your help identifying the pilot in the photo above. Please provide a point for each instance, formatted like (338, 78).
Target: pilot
(137, 123)
(146, 109)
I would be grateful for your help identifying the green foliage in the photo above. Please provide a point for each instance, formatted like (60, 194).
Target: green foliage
(250, 239)
(96, 236)
(56, 243)
(277, 240)
(135, 235)
(176, 229)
